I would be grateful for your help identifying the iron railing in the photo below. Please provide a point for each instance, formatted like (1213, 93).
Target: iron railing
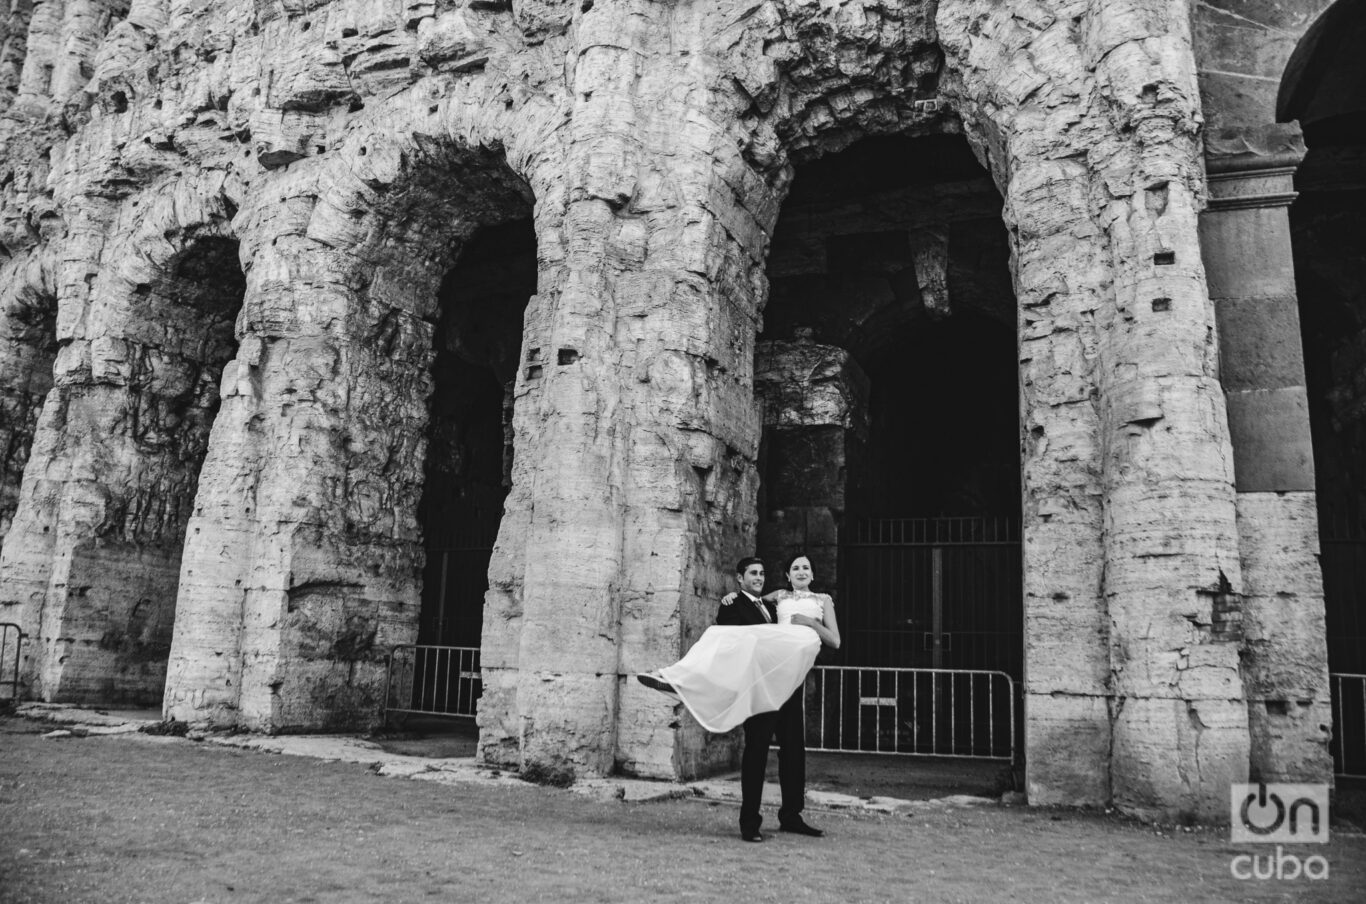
(1348, 744)
(967, 713)
(11, 642)
(933, 593)
(433, 681)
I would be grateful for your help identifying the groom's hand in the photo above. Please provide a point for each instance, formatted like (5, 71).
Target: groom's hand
(807, 621)
(729, 598)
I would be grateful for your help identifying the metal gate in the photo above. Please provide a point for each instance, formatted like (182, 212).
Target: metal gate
(1342, 544)
(433, 681)
(439, 675)
(932, 608)
(918, 712)
(454, 582)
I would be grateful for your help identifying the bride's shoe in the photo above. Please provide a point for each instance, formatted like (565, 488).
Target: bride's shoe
(655, 681)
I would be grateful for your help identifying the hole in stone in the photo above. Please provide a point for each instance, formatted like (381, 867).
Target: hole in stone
(1161, 305)
(120, 102)
(1164, 258)
(533, 354)
(568, 356)
(534, 372)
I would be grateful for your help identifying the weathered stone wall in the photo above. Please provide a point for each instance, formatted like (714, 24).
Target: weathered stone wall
(352, 148)
(1242, 51)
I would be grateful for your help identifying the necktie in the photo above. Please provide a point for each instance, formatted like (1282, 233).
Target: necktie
(762, 608)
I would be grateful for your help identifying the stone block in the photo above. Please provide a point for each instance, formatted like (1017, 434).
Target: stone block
(1067, 739)
(1247, 252)
(1174, 759)
(1272, 449)
(1259, 345)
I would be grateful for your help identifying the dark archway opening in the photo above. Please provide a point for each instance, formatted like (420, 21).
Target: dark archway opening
(468, 469)
(1325, 89)
(29, 351)
(180, 334)
(891, 454)
(944, 423)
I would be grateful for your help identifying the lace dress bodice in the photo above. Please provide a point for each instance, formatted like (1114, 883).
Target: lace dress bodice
(812, 604)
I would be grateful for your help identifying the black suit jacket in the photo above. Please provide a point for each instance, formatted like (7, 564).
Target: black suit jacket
(743, 612)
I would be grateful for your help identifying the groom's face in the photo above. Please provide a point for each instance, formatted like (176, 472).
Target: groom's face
(752, 579)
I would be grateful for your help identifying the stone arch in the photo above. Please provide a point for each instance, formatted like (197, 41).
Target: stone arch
(1322, 89)
(95, 550)
(326, 575)
(28, 323)
(1088, 122)
(891, 312)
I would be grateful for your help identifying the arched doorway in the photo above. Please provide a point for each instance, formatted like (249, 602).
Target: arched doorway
(888, 372)
(1325, 89)
(103, 612)
(468, 468)
(28, 313)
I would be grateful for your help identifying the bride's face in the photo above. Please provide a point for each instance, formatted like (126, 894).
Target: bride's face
(799, 573)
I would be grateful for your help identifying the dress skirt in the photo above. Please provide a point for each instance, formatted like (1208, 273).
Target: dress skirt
(737, 671)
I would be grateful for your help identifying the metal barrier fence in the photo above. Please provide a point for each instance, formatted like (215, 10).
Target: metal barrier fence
(432, 681)
(11, 640)
(1348, 745)
(914, 712)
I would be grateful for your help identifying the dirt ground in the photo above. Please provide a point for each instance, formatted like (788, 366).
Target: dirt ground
(139, 818)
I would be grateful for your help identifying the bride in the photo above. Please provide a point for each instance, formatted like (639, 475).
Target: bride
(754, 658)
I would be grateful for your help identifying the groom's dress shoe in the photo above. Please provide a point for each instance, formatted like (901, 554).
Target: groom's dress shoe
(756, 835)
(799, 827)
(655, 683)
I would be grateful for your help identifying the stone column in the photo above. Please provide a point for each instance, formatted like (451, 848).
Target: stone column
(1171, 546)
(1279, 618)
(1060, 286)
(1130, 532)
(815, 400)
(635, 417)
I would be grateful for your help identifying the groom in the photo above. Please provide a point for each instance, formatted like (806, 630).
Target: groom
(788, 723)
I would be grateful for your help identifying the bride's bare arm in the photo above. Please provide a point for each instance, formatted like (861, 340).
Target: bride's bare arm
(826, 627)
(832, 626)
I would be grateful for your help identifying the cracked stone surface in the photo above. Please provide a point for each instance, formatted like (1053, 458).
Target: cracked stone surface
(225, 227)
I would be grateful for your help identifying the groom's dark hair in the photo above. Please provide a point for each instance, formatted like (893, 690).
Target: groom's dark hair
(743, 565)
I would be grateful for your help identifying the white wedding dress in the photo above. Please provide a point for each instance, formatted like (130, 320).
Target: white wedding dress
(736, 671)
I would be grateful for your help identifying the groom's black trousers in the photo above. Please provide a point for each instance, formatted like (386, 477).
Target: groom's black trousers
(788, 725)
